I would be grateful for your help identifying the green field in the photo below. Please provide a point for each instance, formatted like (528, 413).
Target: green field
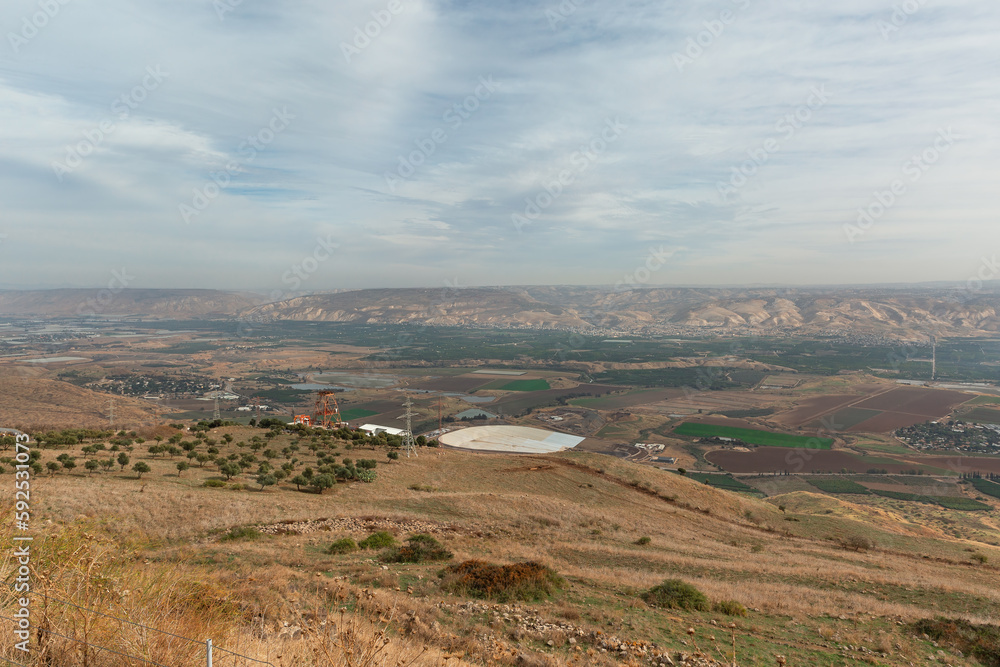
(981, 415)
(964, 504)
(356, 413)
(526, 385)
(723, 482)
(986, 486)
(838, 486)
(984, 400)
(753, 436)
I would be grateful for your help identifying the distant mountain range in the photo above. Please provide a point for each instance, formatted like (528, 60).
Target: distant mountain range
(898, 311)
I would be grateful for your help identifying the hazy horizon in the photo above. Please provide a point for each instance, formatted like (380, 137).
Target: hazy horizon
(233, 145)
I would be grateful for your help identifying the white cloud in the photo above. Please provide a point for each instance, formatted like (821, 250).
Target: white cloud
(556, 87)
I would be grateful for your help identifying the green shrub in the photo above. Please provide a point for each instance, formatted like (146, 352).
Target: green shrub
(419, 548)
(215, 484)
(676, 594)
(241, 533)
(378, 540)
(345, 545)
(528, 582)
(729, 608)
(643, 541)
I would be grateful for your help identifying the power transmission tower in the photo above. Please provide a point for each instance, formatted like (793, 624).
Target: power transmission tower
(111, 414)
(217, 415)
(409, 446)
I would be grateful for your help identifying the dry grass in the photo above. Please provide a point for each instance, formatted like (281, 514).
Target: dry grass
(41, 404)
(578, 513)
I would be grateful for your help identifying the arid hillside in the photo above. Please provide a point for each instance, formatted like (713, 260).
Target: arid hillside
(804, 577)
(146, 303)
(37, 403)
(904, 312)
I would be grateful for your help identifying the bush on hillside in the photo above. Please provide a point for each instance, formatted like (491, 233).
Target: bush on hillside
(729, 608)
(676, 594)
(345, 545)
(528, 582)
(378, 540)
(859, 543)
(420, 548)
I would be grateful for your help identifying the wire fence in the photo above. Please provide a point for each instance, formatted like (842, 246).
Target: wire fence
(212, 659)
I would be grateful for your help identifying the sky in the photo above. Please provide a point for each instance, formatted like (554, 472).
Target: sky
(305, 145)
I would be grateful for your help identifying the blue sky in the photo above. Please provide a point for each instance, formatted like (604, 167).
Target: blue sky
(485, 143)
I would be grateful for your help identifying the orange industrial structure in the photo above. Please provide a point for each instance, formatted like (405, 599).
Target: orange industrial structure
(326, 413)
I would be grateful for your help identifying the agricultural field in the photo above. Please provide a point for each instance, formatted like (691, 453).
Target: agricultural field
(356, 413)
(460, 383)
(782, 459)
(630, 399)
(524, 385)
(845, 419)
(949, 502)
(726, 482)
(876, 408)
(837, 485)
(985, 400)
(753, 436)
(518, 404)
(986, 486)
(981, 415)
(811, 408)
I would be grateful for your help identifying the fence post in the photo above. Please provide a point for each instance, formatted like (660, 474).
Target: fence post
(208, 652)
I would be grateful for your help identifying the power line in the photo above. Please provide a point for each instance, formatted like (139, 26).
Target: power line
(115, 618)
(80, 641)
(11, 662)
(139, 625)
